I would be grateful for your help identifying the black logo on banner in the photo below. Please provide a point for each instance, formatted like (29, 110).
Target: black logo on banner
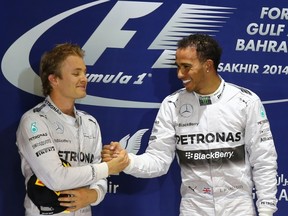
(223, 156)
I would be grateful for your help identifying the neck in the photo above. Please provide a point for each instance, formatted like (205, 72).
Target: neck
(64, 104)
(211, 85)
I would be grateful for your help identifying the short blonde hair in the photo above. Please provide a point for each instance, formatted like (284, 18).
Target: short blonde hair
(51, 61)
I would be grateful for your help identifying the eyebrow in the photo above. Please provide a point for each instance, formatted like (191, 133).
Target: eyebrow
(80, 69)
(183, 64)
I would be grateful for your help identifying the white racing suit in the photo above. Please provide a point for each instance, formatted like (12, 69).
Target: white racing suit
(45, 135)
(223, 144)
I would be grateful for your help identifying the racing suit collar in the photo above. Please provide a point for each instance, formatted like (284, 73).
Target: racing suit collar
(68, 119)
(211, 98)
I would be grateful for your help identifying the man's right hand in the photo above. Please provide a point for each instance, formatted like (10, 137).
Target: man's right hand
(119, 163)
(115, 156)
(111, 151)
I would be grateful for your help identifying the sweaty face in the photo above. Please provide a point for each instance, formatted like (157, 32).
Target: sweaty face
(190, 70)
(73, 83)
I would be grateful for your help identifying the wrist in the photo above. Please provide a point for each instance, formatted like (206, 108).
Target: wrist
(266, 212)
(93, 194)
(128, 169)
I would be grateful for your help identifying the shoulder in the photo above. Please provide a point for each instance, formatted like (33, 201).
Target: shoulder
(176, 100)
(32, 120)
(236, 90)
(35, 113)
(86, 117)
(40, 113)
(176, 95)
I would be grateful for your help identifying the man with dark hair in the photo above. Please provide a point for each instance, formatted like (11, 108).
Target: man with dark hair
(220, 134)
(60, 146)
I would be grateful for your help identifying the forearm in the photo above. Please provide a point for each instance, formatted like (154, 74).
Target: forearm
(101, 189)
(146, 166)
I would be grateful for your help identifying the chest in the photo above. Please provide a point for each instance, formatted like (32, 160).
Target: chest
(215, 124)
(74, 143)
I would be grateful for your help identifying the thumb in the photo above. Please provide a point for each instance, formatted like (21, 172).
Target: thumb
(116, 146)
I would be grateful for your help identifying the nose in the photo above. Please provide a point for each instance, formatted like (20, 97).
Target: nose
(84, 78)
(180, 73)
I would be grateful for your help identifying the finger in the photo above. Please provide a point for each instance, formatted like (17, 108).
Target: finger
(67, 192)
(72, 209)
(106, 147)
(105, 154)
(115, 146)
(67, 196)
(66, 204)
(115, 155)
(123, 153)
(105, 150)
(106, 159)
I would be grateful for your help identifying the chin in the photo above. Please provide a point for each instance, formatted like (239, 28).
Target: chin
(189, 89)
(81, 96)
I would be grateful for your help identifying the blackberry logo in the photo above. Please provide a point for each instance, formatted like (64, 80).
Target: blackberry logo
(189, 155)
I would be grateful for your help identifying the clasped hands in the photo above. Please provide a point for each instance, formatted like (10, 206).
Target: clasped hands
(115, 156)
(117, 160)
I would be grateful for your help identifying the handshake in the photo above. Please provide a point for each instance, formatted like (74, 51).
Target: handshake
(115, 156)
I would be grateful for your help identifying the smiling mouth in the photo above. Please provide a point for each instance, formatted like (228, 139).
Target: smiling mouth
(186, 81)
(82, 87)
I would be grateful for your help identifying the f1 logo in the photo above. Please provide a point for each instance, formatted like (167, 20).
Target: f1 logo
(110, 30)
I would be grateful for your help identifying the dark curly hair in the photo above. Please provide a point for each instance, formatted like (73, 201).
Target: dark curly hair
(206, 46)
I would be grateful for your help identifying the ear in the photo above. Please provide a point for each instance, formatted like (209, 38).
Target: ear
(52, 79)
(209, 65)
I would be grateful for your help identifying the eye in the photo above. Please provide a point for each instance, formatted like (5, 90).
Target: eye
(187, 67)
(75, 74)
(184, 67)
